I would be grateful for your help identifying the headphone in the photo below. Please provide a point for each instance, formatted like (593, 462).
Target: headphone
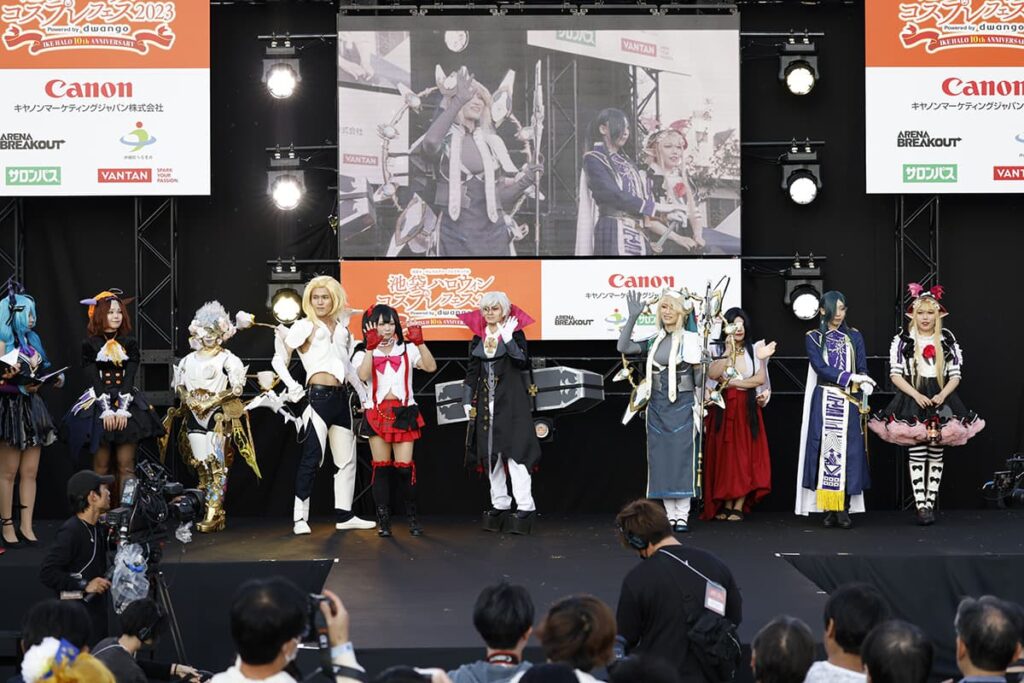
(147, 631)
(633, 540)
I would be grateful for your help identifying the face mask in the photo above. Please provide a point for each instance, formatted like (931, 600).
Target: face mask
(290, 657)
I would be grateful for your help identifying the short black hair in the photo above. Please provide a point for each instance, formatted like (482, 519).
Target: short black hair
(502, 615)
(783, 651)
(401, 674)
(53, 618)
(143, 619)
(855, 609)
(643, 669)
(897, 652)
(988, 629)
(266, 614)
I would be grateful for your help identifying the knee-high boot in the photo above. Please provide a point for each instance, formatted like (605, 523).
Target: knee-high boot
(214, 480)
(382, 496)
(406, 472)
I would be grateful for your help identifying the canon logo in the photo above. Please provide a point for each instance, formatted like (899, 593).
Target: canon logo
(58, 88)
(641, 281)
(956, 87)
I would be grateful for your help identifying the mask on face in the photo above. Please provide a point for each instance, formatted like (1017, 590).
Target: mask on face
(290, 656)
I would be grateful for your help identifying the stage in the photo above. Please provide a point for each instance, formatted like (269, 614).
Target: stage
(411, 599)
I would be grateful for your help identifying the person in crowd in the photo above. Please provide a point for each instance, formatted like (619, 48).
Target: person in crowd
(409, 674)
(578, 632)
(672, 372)
(503, 616)
(661, 596)
(782, 651)
(59, 661)
(75, 565)
(926, 414)
(322, 341)
(25, 423)
(497, 401)
(837, 383)
(112, 416)
(142, 623)
(851, 611)
(682, 230)
(897, 652)
(737, 465)
(987, 639)
(61, 619)
(642, 669)
(269, 618)
(1015, 672)
(393, 423)
(552, 673)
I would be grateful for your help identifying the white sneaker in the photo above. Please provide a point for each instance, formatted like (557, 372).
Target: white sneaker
(301, 528)
(355, 523)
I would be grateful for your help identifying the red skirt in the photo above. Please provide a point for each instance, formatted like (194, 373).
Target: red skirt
(736, 464)
(381, 419)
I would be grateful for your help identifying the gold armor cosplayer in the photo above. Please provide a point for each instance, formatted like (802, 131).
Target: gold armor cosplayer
(209, 382)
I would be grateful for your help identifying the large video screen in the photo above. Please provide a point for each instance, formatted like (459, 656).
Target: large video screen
(496, 137)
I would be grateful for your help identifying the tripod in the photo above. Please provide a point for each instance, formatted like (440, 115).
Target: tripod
(162, 596)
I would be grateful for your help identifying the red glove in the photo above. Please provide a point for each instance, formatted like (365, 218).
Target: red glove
(372, 339)
(414, 335)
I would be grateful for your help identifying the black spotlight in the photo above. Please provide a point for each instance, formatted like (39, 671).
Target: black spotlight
(803, 288)
(286, 183)
(798, 65)
(801, 174)
(284, 292)
(281, 73)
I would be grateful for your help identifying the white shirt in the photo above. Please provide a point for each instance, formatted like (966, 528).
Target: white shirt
(824, 672)
(393, 380)
(234, 674)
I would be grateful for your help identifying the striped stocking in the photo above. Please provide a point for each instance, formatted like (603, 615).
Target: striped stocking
(934, 473)
(918, 464)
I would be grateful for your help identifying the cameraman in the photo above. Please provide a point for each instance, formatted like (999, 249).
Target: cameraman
(269, 618)
(142, 623)
(76, 561)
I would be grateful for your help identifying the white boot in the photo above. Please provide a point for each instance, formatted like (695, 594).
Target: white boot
(300, 516)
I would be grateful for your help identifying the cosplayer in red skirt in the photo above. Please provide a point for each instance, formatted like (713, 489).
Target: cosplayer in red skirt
(737, 466)
(393, 421)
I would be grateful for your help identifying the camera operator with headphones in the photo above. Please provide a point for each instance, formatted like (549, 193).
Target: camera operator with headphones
(681, 604)
(142, 622)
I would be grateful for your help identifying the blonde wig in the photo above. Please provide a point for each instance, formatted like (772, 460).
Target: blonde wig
(940, 360)
(337, 295)
(651, 149)
(485, 123)
(677, 302)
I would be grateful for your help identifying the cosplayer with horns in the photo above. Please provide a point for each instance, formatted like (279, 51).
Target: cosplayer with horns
(112, 416)
(832, 473)
(925, 365)
(682, 230)
(209, 382)
(322, 341)
(496, 397)
(672, 372)
(25, 424)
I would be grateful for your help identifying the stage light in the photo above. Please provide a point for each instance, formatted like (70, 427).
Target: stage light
(798, 65)
(801, 174)
(284, 292)
(285, 181)
(544, 428)
(286, 305)
(286, 192)
(803, 288)
(281, 72)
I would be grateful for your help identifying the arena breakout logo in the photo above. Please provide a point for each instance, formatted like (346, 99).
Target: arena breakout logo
(922, 138)
(138, 138)
(952, 24)
(588, 38)
(25, 142)
(572, 321)
(32, 175)
(929, 173)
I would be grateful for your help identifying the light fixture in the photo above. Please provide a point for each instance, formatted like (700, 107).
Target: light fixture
(544, 428)
(801, 174)
(803, 288)
(284, 292)
(281, 72)
(798, 65)
(285, 180)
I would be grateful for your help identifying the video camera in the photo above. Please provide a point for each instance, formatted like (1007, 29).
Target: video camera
(1007, 486)
(152, 506)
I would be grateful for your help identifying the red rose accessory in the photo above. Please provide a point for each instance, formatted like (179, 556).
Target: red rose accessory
(679, 190)
(928, 353)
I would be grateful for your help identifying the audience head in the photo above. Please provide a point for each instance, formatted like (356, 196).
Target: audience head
(897, 652)
(987, 635)
(549, 673)
(643, 669)
(851, 612)
(268, 619)
(642, 522)
(408, 674)
(143, 619)
(503, 616)
(60, 619)
(578, 631)
(782, 651)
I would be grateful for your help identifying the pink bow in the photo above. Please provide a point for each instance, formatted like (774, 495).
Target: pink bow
(380, 363)
(916, 289)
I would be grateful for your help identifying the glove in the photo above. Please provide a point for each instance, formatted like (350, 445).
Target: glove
(295, 393)
(861, 379)
(867, 389)
(508, 327)
(414, 335)
(372, 339)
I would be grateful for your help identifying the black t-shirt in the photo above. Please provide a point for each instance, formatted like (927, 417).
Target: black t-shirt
(77, 555)
(653, 609)
(119, 661)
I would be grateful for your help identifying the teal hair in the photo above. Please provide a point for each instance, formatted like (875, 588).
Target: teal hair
(15, 331)
(829, 302)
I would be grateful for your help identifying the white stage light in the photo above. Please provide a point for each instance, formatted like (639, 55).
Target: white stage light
(286, 192)
(282, 81)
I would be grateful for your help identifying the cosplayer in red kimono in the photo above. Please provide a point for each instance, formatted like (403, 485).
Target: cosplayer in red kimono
(393, 422)
(497, 402)
(925, 365)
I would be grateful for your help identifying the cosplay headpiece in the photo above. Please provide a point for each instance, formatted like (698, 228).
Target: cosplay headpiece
(212, 320)
(919, 294)
(659, 131)
(112, 293)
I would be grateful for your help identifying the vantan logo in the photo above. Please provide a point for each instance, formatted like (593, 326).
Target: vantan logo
(359, 159)
(124, 175)
(588, 38)
(639, 47)
(922, 138)
(572, 321)
(1008, 173)
(929, 173)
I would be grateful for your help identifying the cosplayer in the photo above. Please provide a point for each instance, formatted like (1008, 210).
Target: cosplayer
(476, 179)
(209, 382)
(671, 373)
(322, 341)
(497, 402)
(615, 199)
(112, 416)
(682, 231)
(925, 365)
(737, 467)
(25, 424)
(832, 473)
(393, 421)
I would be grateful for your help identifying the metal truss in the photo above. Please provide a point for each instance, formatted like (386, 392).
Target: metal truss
(917, 246)
(645, 103)
(563, 144)
(156, 291)
(12, 242)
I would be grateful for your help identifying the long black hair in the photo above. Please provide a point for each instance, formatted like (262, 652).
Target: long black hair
(382, 312)
(755, 424)
(616, 121)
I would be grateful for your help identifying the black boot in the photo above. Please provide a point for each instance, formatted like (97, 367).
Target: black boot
(383, 521)
(830, 520)
(406, 484)
(414, 524)
(495, 520)
(843, 516)
(522, 523)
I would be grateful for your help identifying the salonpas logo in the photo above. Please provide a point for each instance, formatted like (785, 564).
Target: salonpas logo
(32, 175)
(588, 38)
(929, 173)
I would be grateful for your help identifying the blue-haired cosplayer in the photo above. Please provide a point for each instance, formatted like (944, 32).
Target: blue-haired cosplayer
(832, 474)
(25, 423)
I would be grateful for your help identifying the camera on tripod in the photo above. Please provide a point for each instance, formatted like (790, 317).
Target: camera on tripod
(1007, 486)
(152, 506)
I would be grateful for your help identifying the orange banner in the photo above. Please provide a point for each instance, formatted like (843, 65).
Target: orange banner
(431, 293)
